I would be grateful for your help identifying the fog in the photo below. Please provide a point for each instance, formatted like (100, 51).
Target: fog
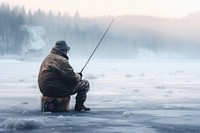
(126, 95)
(136, 37)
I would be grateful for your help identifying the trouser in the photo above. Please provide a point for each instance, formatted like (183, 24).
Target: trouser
(81, 88)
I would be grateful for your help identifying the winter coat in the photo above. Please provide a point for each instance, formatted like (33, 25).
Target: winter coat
(56, 76)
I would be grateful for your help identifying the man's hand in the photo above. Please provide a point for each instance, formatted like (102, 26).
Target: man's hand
(80, 74)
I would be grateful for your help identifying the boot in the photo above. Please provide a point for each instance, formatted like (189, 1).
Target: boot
(81, 107)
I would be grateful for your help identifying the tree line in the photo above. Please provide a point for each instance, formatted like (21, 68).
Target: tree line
(79, 32)
(12, 35)
(24, 32)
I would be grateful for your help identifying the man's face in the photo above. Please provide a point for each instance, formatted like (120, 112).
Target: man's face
(65, 51)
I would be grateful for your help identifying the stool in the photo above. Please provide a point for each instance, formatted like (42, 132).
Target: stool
(51, 104)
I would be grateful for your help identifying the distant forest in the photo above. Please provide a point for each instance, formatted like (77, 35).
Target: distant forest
(34, 33)
(18, 29)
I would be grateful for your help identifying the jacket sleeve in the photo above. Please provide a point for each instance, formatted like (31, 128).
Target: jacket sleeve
(67, 73)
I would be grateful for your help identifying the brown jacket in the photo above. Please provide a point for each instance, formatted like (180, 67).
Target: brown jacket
(56, 76)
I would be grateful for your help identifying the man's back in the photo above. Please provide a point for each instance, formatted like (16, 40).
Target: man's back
(55, 74)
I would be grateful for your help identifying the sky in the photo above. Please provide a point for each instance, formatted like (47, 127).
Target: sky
(90, 8)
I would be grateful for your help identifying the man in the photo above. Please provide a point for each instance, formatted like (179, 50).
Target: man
(57, 78)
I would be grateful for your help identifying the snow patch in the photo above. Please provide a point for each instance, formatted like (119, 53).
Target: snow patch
(90, 76)
(36, 41)
(142, 75)
(21, 80)
(160, 87)
(62, 118)
(128, 76)
(127, 114)
(22, 124)
(34, 86)
(136, 90)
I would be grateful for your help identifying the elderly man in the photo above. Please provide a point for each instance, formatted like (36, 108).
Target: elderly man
(57, 78)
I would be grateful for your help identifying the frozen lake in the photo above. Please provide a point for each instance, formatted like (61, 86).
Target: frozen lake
(126, 96)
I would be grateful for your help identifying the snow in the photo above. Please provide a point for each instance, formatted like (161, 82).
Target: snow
(21, 124)
(36, 41)
(126, 96)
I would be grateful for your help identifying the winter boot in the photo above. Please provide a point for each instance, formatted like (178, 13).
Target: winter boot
(81, 107)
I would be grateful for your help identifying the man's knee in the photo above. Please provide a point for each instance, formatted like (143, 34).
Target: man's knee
(85, 85)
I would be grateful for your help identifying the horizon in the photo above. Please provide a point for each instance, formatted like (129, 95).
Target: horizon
(94, 8)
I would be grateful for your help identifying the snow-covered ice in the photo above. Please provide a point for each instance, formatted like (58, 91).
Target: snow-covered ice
(126, 96)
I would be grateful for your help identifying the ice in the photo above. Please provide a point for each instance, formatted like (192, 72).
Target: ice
(22, 124)
(135, 96)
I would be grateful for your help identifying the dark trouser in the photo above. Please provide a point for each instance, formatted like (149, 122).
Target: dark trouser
(81, 88)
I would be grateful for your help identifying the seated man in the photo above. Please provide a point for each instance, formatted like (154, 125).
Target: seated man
(57, 78)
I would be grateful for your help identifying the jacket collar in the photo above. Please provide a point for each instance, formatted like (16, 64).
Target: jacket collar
(59, 52)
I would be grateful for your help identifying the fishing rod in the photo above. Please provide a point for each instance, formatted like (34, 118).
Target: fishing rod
(96, 46)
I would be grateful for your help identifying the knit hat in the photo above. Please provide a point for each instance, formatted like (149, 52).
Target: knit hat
(62, 45)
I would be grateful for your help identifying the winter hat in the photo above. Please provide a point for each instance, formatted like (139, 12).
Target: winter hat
(62, 45)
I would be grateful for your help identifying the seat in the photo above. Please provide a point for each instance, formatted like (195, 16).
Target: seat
(51, 104)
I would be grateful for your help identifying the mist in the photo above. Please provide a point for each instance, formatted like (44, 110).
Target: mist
(33, 34)
(145, 76)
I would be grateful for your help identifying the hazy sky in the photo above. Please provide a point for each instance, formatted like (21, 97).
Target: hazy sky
(162, 8)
